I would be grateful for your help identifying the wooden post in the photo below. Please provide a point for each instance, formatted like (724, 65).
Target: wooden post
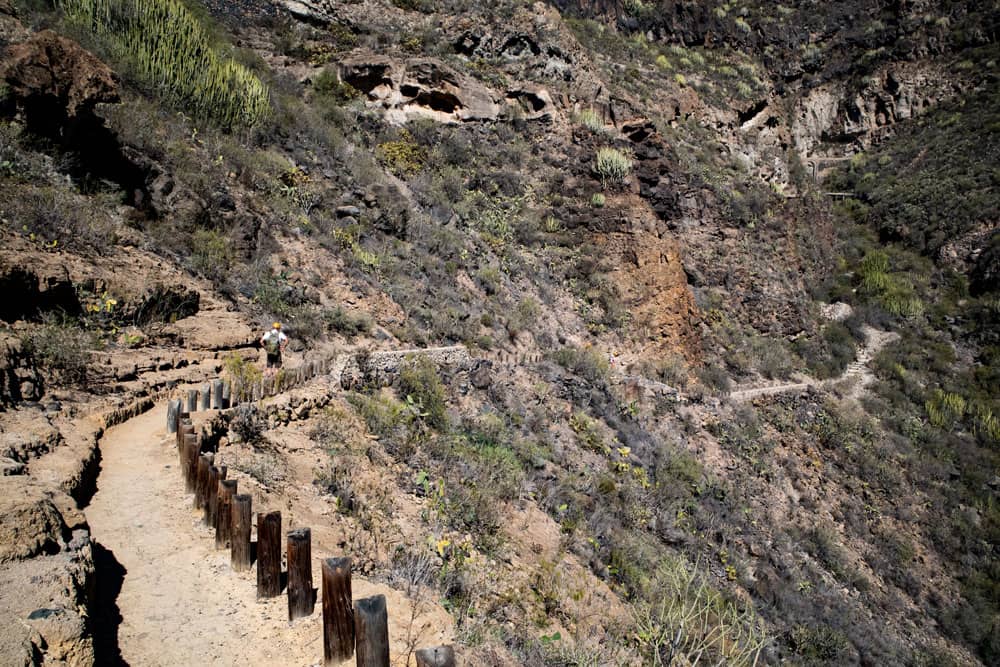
(301, 599)
(371, 624)
(224, 520)
(205, 462)
(206, 397)
(183, 429)
(439, 656)
(269, 555)
(242, 518)
(217, 394)
(172, 410)
(191, 448)
(211, 496)
(192, 405)
(338, 617)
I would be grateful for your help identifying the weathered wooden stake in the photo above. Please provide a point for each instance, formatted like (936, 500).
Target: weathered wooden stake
(191, 449)
(184, 429)
(338, 617)
(205, 462)
(192, 404)
(301, 599)
(224, 518)
(206, 397)
(371, 625)
(439, 656)
(172, 410)
(239, 554)
(217, 394)
(269, 555)
(211, 497)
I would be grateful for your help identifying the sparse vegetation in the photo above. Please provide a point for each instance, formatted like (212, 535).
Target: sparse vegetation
(62, 348)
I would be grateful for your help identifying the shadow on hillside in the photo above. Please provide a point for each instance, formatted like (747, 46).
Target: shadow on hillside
(106, 616)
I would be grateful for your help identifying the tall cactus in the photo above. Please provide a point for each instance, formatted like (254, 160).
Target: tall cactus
(168, 48)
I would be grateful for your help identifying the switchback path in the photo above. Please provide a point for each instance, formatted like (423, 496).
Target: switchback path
(858, 372)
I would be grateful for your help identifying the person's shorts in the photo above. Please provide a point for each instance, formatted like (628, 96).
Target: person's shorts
(274, 361)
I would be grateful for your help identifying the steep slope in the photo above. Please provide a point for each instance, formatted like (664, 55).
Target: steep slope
(623, 211)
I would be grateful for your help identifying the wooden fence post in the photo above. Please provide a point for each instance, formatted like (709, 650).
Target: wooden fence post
(191, 448)
(301, 599)
(269, 555)
(338, 617)
(212, 496)
(192, 405)
(241, 527)
(205, 462)
(183, 429)
(206, 397)
(439, 656)
(371, 625)
(216, 394)
(172, 410)
(224, 516)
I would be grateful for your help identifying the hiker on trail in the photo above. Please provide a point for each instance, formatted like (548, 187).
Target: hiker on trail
(274, 342)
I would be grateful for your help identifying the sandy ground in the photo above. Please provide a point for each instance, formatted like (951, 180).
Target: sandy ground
(180, 602)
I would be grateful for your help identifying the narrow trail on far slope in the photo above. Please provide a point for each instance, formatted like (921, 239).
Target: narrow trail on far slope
(857, 372)
(180, 602)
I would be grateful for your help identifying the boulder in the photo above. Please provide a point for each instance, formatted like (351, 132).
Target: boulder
(32, 519)
(533, 102)
(481, 375)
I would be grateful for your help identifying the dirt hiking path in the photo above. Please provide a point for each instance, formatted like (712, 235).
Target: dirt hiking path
(858, 373)
(180, 602)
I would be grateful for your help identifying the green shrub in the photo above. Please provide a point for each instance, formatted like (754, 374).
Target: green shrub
(211, 254)
(403, 157)
(420, 383)
(587, 363)
(243, 374)
(715, 378)
(524, 317)
(328, 85)
(394, 422)
(597, 200)
(613, 166)
(347, 324)
(248, 423)
(61, 349)
(166, 47)
(688, 619)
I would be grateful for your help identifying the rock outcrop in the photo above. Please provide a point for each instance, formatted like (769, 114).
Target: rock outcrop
(46, 570)
(55, 76)
(419, 87)
(19, 378)
(428, 88)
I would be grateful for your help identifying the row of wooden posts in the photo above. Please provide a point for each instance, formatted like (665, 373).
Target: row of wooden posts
(361, 629)
(221, 395)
